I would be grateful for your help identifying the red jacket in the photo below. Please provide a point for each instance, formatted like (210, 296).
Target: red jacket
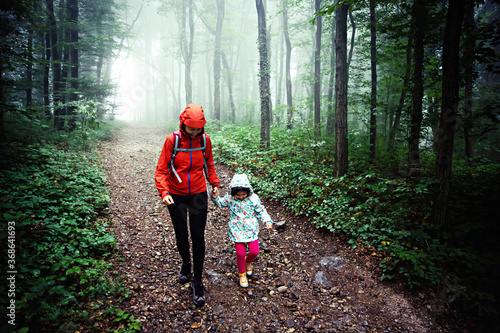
(188, 165)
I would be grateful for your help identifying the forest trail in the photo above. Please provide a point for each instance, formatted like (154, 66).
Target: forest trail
(305, 280)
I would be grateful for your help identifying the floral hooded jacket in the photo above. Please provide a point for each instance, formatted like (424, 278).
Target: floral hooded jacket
(243, 223)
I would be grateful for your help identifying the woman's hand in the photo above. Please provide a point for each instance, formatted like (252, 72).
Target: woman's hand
(168, 200)
(215, 192)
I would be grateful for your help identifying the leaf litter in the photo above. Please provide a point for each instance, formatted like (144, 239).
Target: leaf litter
(305, 279)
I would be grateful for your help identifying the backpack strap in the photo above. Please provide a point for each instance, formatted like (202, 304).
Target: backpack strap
(177, 143)
(204, 159)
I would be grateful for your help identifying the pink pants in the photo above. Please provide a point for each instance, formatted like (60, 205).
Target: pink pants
(253, 251)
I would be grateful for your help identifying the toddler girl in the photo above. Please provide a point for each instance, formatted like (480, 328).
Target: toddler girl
(245, 207)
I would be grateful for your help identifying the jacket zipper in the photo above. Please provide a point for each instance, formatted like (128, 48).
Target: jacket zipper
(190, 165)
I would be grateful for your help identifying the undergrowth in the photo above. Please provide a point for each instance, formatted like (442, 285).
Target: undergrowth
(53, 201)
(377, 208)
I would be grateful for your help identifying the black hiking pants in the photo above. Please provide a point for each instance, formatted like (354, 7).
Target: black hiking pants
(196, 205)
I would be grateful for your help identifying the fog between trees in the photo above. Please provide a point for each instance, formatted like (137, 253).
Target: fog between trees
(151, 72)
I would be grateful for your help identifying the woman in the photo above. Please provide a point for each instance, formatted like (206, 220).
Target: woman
(185, 156)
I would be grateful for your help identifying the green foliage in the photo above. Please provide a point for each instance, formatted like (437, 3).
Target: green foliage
(27, 126)
(57, 200)
(376, 209)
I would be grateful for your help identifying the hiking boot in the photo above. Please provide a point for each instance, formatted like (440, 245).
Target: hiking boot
(185, 273)
(243, 280)
(198, 295)
(248, 268)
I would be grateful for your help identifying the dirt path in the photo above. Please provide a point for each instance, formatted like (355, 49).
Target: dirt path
(305, 280)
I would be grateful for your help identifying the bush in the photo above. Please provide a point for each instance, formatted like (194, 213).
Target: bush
(54, 201)
(386, 213)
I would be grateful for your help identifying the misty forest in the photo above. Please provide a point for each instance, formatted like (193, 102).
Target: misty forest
(370, 129)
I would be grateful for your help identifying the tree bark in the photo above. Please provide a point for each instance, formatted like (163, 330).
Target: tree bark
(351, 49)
(73, 17)
(373, 106)
(341, 80)
(469, 76)
(210, 71)
(280, 65)
(188, 54)
(56, 67)
(406, 81)
(418, 92)
(449, 108)
(65, 53)
(317, 72)
(29, 71)
(289, 100)
(217, 60)
(229, 82)
(264, 80)
(46, 72)
(331, 85)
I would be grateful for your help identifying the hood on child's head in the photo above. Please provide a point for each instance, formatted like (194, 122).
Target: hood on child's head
(193, 116)
(240, 181)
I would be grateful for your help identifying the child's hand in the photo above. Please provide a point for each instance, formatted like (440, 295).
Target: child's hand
(215, 192)
(269, 225)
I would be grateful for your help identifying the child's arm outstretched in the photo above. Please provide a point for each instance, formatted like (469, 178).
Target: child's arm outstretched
(221, 203)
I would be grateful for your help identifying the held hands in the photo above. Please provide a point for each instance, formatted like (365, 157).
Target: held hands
(215, 192)
(168, 200)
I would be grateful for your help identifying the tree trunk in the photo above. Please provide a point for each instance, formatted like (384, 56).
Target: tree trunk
(209, 76)
(406, 81)
(269, 58)
(188, 55)
(179, 98)
(373, 107)
(418, 92)
(331, 84)
(341, 80)
(280, 62)
(469, 76)
(289, 100)
(29, 70)
(449, 109)
(56, 67)
(65, 54)
(46, 88)
(279, 77)
(217, 59)
(73, 17)
(351, 49)
(100, 58)
(264, 80)
(317, 72)
(148, 71)
(229, 82)
(2, 129)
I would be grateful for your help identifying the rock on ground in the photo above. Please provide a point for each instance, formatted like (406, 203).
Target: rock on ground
(305, 279)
